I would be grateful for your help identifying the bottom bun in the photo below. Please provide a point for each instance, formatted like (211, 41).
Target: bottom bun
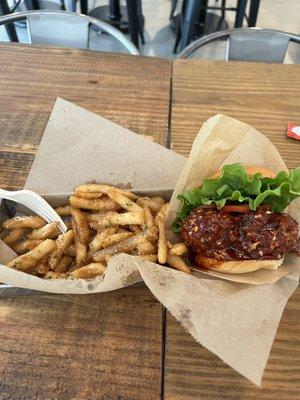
(235, 267)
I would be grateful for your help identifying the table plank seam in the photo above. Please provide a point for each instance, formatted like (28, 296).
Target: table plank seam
(163, 352)
(164, 310)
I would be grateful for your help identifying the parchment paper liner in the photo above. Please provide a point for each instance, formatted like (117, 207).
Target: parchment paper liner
(223, 140)
(236, 321)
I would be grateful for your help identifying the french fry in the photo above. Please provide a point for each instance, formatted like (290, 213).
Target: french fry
(71, 250)
(14, 235)
(89, 195)
(82, 235)
(150, 234)
(49, 231)
(96, 204)
(68, 224)
(88, 271)
(149, 222)
(145, 247)
(162, 242)
(80, 225)
(94, 225)
(63, 264)
(30, 259)
(95, 187)
(116, 238)
(96, 243)
(123, 201)
(127, 218)
(178, 263)
(154, 203)
(179, 249)
(162, 213)
(104, 221)
(55, 275)
(126, 245)
(62, 243)
(81, 253)
(135, 228)
(63, 211)
(42, 268)
(107, 258)
(24, 222)
(73, 266)
(25, 246)
(148, 257)
(96, 217)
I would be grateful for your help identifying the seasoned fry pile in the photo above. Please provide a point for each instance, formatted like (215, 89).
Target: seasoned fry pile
(102, 221)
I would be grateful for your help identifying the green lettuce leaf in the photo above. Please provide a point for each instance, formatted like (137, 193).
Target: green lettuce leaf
(234, 186)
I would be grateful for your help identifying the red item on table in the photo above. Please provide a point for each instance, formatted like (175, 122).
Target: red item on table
(293, 131)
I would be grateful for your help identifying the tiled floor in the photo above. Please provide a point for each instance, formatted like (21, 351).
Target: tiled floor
(275, 14)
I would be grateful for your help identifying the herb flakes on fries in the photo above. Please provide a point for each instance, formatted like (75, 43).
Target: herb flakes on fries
(103, 221)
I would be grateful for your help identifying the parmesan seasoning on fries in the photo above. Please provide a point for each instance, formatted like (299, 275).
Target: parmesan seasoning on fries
(103, 221)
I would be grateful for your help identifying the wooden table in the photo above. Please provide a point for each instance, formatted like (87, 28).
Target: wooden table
(122, 345)
(105, 346)
(267, 97)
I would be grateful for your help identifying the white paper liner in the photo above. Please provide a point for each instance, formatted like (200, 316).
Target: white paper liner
(119, 273)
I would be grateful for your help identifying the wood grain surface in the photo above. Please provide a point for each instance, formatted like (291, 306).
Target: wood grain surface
(105, 346)
(267, 97)
(110, 346)
(132, 91)
(102, 346)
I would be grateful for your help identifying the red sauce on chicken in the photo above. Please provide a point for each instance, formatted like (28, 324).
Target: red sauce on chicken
(258, 235)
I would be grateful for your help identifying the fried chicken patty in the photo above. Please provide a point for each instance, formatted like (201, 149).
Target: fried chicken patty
(258, 235)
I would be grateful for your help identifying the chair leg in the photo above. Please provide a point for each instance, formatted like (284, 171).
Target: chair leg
(133, 22)
(114, 10)
(254, 6)
(10, 28)
(223, 9)
(178, 37)
(84, 6)
(140, 20)
(173, 8)
(191, 15)
(240, 12)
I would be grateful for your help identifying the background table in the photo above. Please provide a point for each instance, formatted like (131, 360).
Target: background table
(122, 345)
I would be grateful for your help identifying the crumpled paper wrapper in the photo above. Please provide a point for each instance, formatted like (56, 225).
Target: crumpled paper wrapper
(236, 321)
(223, 140)
(77, 147)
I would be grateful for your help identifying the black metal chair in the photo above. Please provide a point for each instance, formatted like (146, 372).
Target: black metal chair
(129, 18)
(247, 44)
(61, 28)
(195, 18)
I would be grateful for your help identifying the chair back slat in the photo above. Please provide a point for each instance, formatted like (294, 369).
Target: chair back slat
(246, 44)
(66, 29)
(256, 46)
(57, 30)
(50, 5)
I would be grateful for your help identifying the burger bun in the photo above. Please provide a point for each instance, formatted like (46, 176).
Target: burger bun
(235, 267)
